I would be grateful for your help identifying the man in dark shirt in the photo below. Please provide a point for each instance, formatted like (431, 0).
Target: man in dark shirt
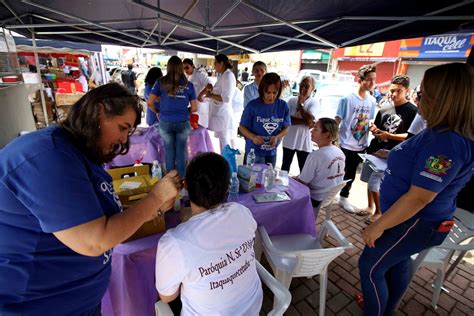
(390, 128)
(245, 75)
(129, 79)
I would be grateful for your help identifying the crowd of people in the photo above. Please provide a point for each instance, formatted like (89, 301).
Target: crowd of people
(58, 229)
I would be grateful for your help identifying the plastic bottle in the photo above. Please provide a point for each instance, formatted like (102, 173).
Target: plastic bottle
(269, 177)
(251, 157)
(156, 170)
(234, 187)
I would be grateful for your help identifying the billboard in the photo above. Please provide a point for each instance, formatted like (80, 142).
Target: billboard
(438, 46)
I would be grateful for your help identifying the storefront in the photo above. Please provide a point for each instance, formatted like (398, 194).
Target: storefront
(419, 54)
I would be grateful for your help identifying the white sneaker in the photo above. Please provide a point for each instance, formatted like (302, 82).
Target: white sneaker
(346, 205)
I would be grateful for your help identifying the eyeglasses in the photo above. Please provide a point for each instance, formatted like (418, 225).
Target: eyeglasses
(305, 86)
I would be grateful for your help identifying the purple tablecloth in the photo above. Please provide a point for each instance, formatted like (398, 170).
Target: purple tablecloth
(132, 285)
(146, 145)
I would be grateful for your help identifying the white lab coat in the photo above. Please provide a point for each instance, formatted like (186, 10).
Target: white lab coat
(220, 113)
(199, 79)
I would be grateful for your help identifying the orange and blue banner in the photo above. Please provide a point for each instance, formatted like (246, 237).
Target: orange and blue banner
(439, 46)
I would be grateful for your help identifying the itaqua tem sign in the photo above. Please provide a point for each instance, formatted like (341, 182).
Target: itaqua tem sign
(444, 46)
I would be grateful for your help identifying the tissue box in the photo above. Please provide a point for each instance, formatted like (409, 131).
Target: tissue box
(247, 178)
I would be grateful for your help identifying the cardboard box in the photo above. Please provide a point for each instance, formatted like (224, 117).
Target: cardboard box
(68, 98)
(129, 197)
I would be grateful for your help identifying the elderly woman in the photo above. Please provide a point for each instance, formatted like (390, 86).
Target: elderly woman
(59, 214)
(175, 93)
(303, 109)
(422, 180)
(220, 96)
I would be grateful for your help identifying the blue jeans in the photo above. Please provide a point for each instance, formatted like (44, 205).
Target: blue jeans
(384, 269)
(175, 137)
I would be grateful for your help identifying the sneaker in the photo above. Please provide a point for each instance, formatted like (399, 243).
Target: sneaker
(346, 205)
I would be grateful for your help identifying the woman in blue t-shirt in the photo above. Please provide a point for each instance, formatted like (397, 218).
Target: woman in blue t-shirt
(151, 77)
(175, 93)
(418, 193)
(59, 214)
(265, 120)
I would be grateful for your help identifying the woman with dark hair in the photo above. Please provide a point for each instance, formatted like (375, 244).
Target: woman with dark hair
(418, 194)
(199, 79)
(220, 105)
(151, 112)
(209, 260)
(175, 93)
(59, 214)
(265, 120)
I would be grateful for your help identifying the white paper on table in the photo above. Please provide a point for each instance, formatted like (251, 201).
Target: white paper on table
(379, 163)
(129, 185)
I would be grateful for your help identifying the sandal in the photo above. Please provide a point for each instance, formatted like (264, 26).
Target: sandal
(363, 213)
(359, 298)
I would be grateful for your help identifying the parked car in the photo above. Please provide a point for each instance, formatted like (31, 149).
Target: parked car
(320, 77)
(329, 94)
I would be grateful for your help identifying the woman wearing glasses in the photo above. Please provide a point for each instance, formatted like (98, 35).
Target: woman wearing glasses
(199, 78)
(303, 109)
(59, 214)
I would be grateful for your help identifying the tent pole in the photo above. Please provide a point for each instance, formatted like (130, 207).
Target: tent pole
(38, 72)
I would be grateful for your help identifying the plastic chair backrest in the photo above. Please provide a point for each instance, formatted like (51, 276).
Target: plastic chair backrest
(281, 295)
(329, 198)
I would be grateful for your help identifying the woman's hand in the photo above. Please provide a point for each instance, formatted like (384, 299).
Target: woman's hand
(257, 140)
(166, 190)
(371, 233)
(273, 141)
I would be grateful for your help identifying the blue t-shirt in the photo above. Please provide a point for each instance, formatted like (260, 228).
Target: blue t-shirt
(440, 162)
(150, 115)
(265, 120)
(48, 185)
(174, 108)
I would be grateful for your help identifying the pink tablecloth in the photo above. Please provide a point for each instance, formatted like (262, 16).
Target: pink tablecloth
(132, 285)
(146, 145)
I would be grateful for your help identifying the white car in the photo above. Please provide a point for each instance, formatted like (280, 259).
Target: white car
(329, 94)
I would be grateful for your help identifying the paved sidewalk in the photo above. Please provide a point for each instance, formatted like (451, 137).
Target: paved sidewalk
(344, 282)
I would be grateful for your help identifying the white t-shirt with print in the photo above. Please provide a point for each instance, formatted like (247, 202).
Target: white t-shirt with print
(299, 136)
(212, 257)
(323, 168)
(356, 114)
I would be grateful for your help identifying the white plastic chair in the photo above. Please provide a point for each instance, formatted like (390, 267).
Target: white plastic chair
(440, 256)
(282, 297)
(301, 255)
(328, 202)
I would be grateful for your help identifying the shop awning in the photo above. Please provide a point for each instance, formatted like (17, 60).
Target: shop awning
(235, 26)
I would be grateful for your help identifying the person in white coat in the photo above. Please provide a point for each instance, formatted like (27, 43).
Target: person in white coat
(220, 100)
(199, 78)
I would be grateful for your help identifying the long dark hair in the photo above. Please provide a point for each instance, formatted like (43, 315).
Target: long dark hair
(152, 75)
(174, 77)
(82, 121)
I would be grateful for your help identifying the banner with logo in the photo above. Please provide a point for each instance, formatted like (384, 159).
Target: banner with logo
(445, 46)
